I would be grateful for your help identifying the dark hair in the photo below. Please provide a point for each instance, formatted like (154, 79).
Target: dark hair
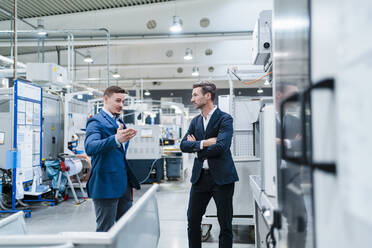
(114, 89)
(206, 87)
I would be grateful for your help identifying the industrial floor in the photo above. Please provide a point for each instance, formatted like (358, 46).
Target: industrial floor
(172, 199)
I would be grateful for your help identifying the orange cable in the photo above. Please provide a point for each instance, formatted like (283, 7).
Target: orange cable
(255, 81)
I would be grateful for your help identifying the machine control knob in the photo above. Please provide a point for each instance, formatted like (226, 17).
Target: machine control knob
(266, 45)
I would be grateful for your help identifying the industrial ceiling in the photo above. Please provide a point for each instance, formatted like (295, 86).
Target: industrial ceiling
(218, 32)
(40, 8)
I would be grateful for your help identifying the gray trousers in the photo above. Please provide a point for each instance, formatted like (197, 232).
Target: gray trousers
(108, 211)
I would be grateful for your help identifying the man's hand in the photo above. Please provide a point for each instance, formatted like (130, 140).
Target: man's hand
(209, 142)
(124, 135)
(191, 137)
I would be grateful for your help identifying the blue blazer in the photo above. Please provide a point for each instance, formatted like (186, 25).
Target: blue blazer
(219, 157)
(111, 173)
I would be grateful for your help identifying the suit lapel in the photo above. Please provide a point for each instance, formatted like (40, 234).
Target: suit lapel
(109, 119)
(200, 126)
(213, 119)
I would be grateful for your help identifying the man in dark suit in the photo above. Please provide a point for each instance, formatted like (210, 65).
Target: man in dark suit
(111, 180)
(213, 173)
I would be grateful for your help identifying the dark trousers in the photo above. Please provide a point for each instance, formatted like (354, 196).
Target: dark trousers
(201, 193)
(108, 211)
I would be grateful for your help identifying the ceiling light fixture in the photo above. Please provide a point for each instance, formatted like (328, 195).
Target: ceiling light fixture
(260, 91)
(88, 59)
(80, 96)
(195, 71)
(147, 93)
(40, 28)
(188, 54)
(116, 74)
(176, 26)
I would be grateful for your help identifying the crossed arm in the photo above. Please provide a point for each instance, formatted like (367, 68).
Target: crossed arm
(212, 147)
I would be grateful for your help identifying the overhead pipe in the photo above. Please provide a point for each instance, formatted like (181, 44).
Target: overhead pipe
(70, 45)
(70, 42)
(231, 84)
(108, 37)
(122, 39)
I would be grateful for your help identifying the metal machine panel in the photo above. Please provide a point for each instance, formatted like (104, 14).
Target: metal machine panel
(46, 72)
(268, 151)
(224, 103)
(146, 144)
(243, 201)
(291, 30)
(348, 192)
(6, 127)
(76, 114)
(244, 112)
(262, 38)
(52, 126)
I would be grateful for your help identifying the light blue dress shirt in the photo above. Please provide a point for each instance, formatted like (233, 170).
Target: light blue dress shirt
(117, 122)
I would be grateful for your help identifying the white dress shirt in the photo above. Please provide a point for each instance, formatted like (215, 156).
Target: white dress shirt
(205, 123)
(117, 122)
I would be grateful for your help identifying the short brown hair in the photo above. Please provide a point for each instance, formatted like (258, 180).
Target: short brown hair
(206, 87)
(114, 89)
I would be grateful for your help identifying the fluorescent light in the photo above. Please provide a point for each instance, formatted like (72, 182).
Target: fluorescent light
(116, 74)
(147, 93)
(88, 59)
(40, 28)
(195, 71)
(188, 54)
(260, 91)
(176, 26)
(42, 32)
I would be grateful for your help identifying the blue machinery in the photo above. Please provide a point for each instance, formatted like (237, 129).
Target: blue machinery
(27, 98)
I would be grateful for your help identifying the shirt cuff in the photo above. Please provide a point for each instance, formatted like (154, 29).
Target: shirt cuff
(201, 145)
(288, 143)
(117, 142)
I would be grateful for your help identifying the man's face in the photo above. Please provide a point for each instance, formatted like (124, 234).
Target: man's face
(289, 90)
(198, 99)
(114, 103)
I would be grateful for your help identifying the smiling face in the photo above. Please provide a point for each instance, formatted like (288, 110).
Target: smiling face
(198, 99)
(114, 103)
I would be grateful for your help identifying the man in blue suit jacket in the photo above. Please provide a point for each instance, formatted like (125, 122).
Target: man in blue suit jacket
(213, 174)
(111, 180)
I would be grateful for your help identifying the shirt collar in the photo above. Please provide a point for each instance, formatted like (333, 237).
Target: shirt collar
(211, 112)
(109, 113)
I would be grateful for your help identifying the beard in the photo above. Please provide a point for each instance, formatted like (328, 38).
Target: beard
(199, 106)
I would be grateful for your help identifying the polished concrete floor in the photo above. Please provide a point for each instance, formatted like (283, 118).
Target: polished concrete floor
(172, 199)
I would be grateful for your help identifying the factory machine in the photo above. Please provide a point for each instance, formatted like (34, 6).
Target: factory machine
(21, 144)
(33, 118)
(145, 153)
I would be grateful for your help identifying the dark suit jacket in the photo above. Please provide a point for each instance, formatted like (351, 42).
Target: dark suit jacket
(111, 172)
(292, 126)
(220, 162)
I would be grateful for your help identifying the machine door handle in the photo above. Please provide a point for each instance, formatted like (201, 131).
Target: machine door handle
(328, 83)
